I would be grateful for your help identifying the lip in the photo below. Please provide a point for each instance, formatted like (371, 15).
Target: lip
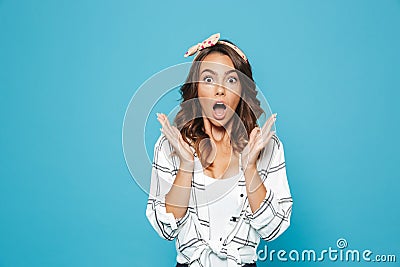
(219, 101)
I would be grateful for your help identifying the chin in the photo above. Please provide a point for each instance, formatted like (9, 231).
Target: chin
(219, 123)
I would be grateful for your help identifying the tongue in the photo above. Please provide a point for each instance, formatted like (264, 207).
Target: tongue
(219, 111)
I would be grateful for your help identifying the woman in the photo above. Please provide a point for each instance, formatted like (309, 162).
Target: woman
(218, 180)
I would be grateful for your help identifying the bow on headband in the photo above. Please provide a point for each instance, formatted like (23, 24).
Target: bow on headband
(210, 41)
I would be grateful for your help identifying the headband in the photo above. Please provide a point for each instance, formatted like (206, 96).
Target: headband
(210, 41)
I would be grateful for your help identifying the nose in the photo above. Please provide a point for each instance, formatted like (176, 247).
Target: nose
(220, 90)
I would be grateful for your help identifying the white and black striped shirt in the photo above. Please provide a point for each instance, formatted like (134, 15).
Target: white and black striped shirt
(191, 232)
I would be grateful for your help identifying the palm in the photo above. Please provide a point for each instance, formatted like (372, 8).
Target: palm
(258, 139)
(182, 149)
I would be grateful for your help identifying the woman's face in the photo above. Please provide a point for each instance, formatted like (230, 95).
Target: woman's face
(219, 88)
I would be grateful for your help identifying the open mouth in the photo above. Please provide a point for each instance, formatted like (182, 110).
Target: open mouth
(219, 110)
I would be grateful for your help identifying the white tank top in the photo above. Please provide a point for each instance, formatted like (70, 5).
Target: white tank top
(222, 197)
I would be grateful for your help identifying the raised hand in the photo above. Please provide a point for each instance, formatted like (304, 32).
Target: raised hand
(258, 139)
(175, 138)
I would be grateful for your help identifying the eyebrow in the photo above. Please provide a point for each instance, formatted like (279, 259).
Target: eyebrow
(213, 72)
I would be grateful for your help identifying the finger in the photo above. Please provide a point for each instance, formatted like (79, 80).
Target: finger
(170, 136)
(163, 120)
(166, 125)
(166, 130)
(258, 134)
(184, 144)
(253, 137)
(269, 123)
(262, 141)
(253, 134)
(176, 131)
(166, 120)
(160, 119)
(256, 140)
(179, 137)
(266, 140)
(258, 143)
(267, 131)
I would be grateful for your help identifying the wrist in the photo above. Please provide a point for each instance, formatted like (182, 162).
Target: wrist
(186, 165)
(250, 168)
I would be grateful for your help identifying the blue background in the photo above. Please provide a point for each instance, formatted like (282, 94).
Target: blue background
(68, 70)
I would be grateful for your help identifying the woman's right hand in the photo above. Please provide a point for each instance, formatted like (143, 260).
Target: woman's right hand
(175, 138)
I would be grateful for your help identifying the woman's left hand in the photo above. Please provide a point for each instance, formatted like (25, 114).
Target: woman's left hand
(258, 139)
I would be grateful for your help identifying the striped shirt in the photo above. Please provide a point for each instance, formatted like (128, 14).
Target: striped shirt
(191, 233)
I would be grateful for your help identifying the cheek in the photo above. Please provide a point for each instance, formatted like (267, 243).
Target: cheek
(235, 99)
(203, 91)
(203, 99)
(205, 96)
(203, 104)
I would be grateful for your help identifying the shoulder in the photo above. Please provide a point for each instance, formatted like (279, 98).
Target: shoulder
(164, 153)
(277, 142)
(271, 151)
(162, 141)
(163, 144)
(162, 149)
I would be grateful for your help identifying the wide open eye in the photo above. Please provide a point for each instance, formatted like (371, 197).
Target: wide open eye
(208, 79)
(232, 80)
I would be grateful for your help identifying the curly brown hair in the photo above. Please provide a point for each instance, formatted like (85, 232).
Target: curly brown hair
(189, 118)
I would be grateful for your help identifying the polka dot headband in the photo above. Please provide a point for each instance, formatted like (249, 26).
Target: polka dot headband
(210, 41)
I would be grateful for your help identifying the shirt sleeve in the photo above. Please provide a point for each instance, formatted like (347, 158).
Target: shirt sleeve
(163, 173)
(272, 218)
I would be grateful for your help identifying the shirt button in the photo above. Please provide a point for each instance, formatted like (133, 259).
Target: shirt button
(241, 195)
